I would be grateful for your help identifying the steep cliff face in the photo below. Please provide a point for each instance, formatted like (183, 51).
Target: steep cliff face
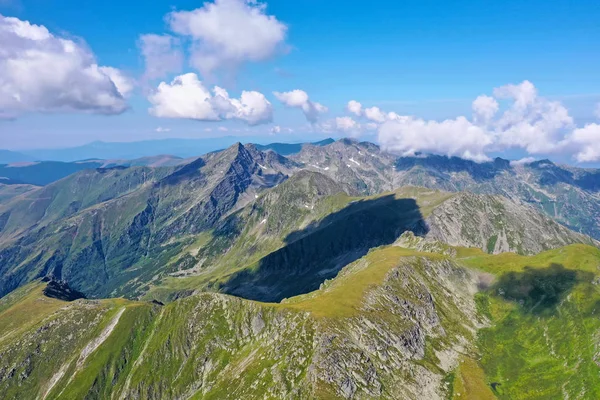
(496, 224)
(362, 167)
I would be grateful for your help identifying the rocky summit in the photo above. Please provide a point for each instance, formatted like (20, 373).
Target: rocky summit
(331, 270)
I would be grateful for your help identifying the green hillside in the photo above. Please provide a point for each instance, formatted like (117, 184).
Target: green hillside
(394, 324)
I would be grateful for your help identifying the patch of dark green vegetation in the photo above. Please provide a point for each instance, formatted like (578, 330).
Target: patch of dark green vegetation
(491, 243)
(539, 290)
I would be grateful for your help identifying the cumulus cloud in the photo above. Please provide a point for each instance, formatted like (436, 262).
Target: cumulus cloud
(347, 125)
(187, 97)
(585, 143)
(454, 137)
(484, 108)
(299, 99)
(278, 129)
(531, 122)
(354, 107)
(162, 55)
(42, 72)
(516, 116)
(375, 114)
(228, 33)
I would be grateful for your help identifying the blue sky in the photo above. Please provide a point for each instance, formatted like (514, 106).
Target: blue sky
(429, 59)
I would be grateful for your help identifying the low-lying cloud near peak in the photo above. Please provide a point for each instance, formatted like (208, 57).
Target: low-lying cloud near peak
(515, 117)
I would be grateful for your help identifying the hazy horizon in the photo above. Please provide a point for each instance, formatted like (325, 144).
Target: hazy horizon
(475, 81)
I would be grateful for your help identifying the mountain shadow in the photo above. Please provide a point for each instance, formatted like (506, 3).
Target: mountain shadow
(320, 250)
(539, 290)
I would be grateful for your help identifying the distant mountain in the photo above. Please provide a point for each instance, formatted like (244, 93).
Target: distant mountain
(42, 173)
(45, 172)
(133, 150)
(285, 149)
(183, 148)
(567, 194)
(8, 157)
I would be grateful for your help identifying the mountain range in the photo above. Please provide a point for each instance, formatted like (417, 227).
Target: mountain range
(180, 148)
(328, 270)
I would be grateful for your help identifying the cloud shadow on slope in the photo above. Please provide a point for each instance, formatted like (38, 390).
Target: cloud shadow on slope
(539, 290)
(319, 251)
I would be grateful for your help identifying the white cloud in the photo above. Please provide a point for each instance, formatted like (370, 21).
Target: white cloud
(347, 125)
(160, 129)
(484, 108)
(223, 129)
(42, 72)
(375, 114)
(585, 143)
(278, 129)
(523, 161)
(524, 94)
(123, 83)
(455, 137)
(527, 121)
(354, 107)
(186, 97)
(252, 107)
(531, 122)
(228, 33)
(162, 55)
(299, 99)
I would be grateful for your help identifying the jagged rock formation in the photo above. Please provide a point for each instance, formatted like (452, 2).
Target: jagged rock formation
(109, 231)
(60, 290)
(496, 225)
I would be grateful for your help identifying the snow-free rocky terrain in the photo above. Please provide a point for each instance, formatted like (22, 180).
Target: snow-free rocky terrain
(338, 271)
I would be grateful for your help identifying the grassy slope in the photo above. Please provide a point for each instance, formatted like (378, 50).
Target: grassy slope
(237, 347)
(343, 296)
(544, 339)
